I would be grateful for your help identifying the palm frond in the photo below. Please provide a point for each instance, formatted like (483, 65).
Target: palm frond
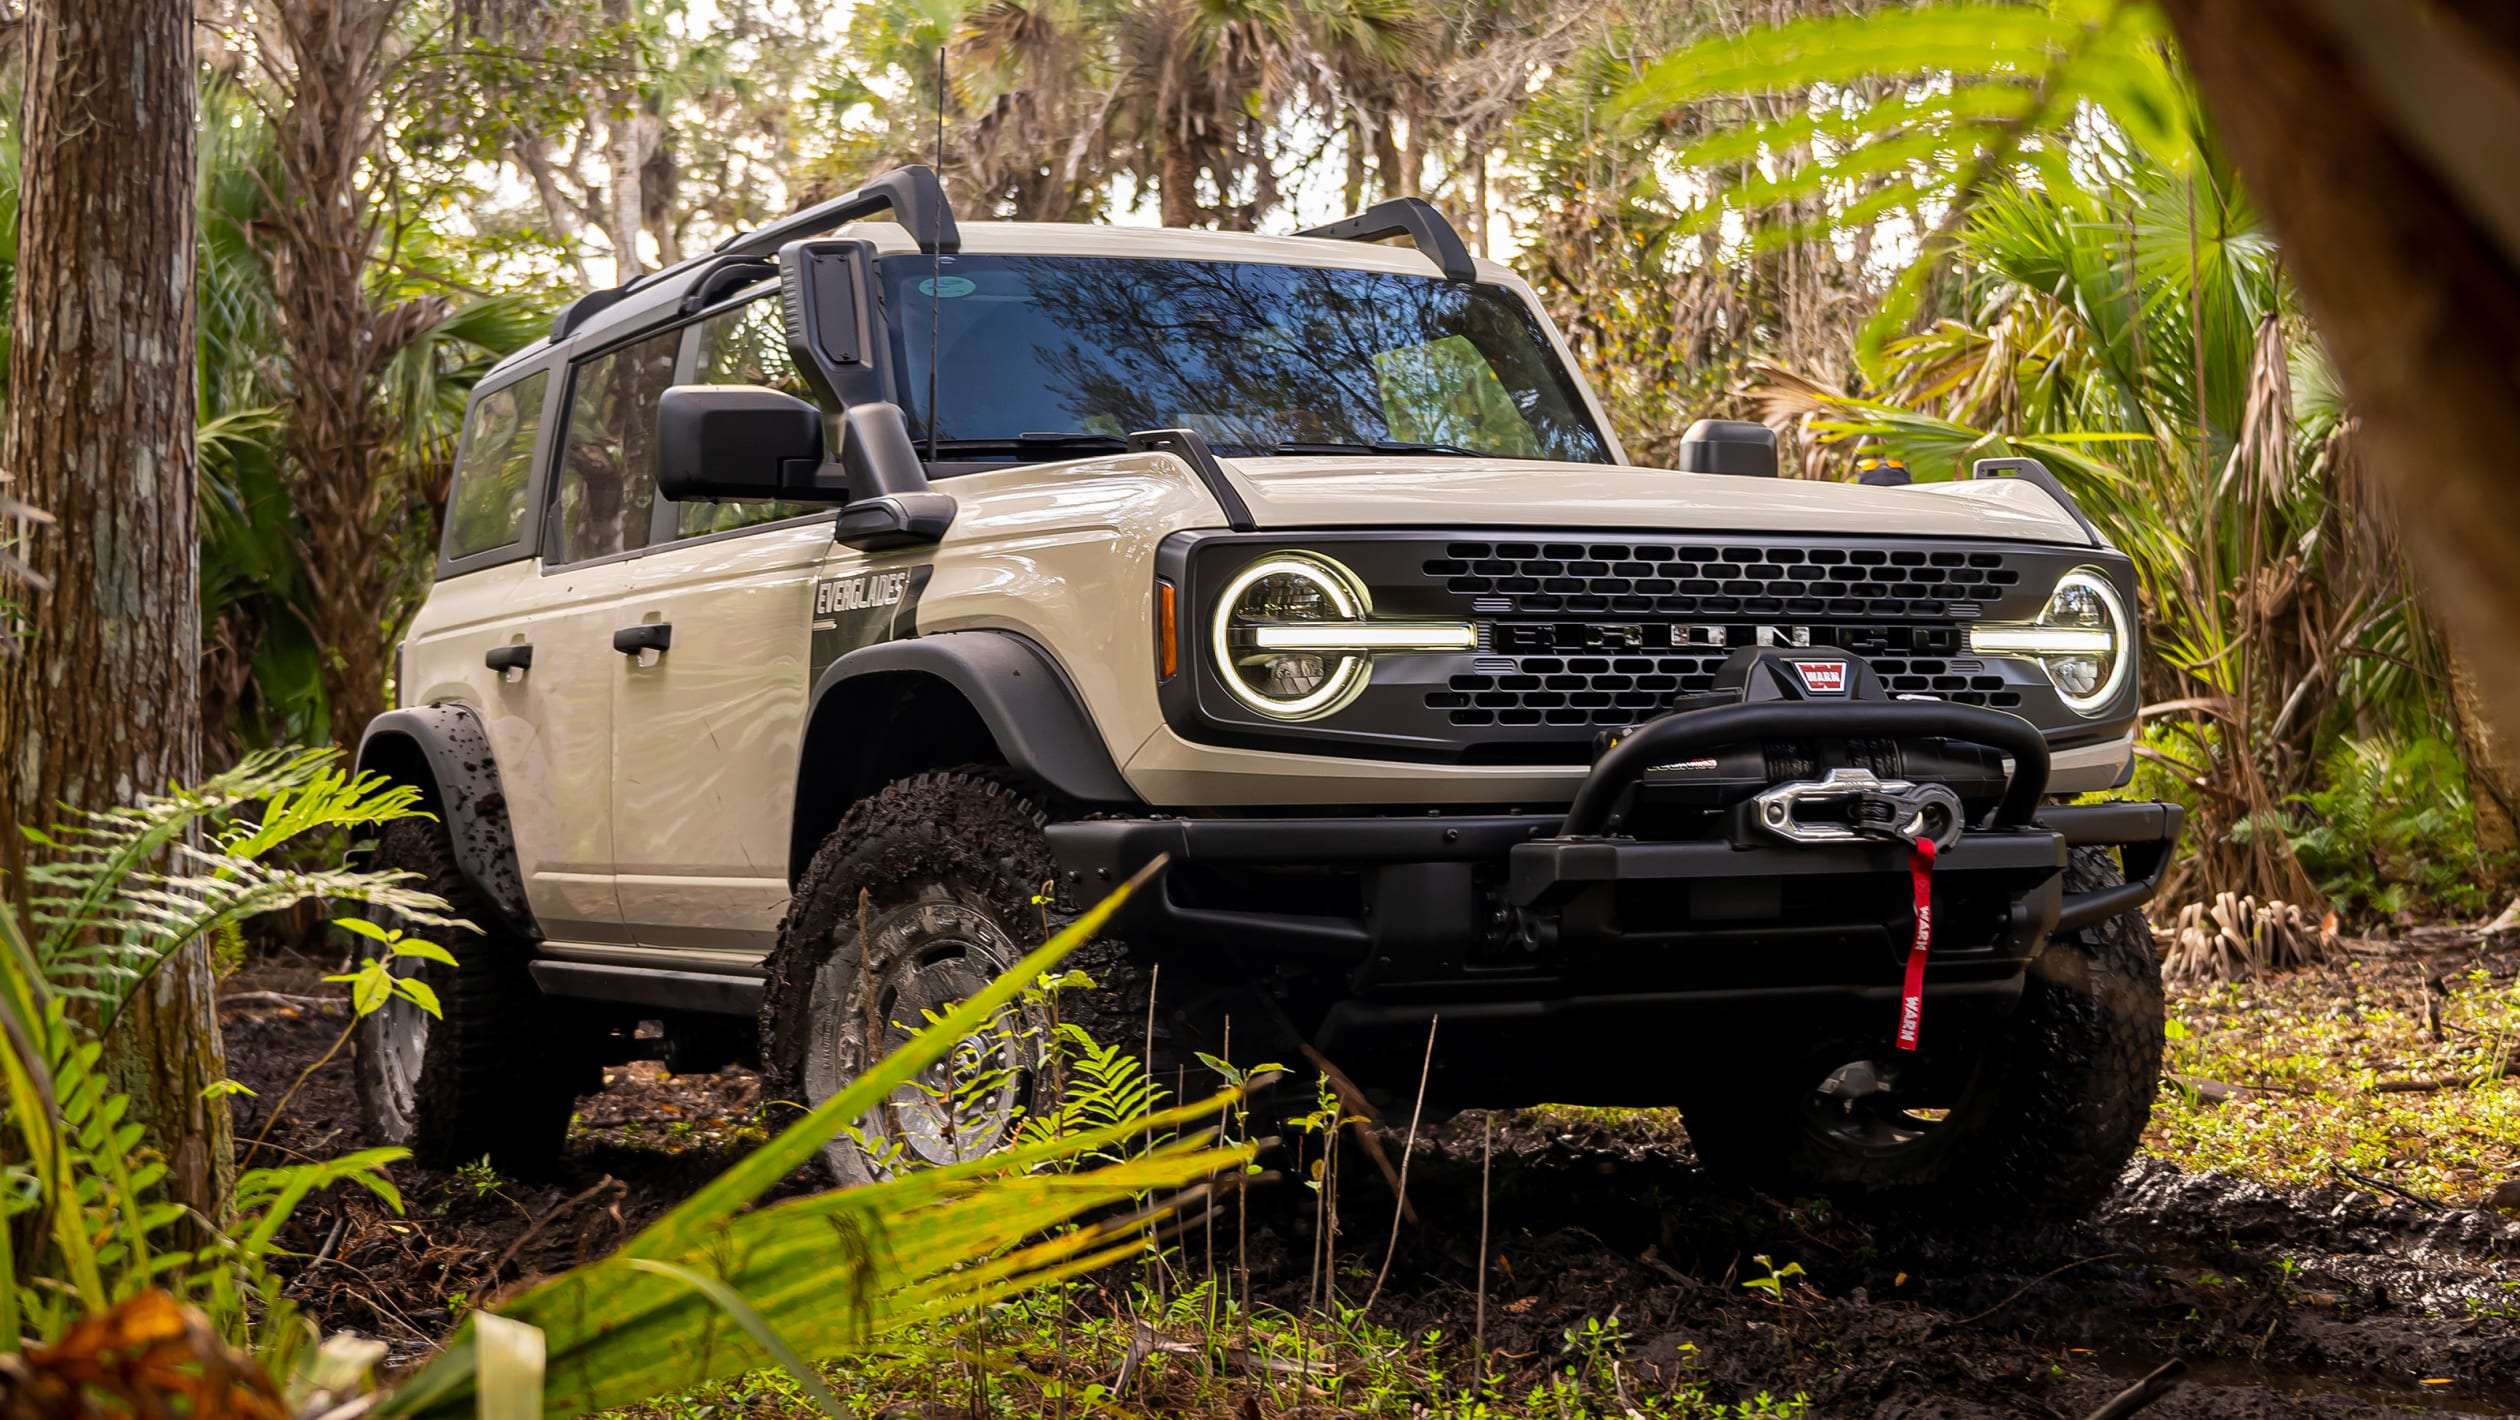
(828, 1273)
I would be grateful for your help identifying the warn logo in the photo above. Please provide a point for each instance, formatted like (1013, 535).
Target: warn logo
(1822, 677)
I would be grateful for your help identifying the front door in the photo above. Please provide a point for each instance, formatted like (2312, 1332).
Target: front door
(706, 737)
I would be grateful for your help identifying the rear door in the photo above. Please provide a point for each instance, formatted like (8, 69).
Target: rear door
(553, 722)
(706, 736)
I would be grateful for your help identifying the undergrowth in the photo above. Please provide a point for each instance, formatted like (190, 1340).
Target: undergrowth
(2316, 1077)
(1067, 1351)
(2390, 832)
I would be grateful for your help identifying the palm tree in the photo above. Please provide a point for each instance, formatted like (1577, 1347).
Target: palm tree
(2140, 336)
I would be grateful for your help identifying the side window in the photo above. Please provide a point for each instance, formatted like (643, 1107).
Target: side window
(743, 346)
(608, 464)
(494, 468)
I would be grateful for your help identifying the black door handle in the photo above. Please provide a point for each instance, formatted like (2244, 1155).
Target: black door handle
(516, 657)
(646, 636)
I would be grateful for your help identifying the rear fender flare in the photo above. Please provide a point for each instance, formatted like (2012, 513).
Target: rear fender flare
(448, 744)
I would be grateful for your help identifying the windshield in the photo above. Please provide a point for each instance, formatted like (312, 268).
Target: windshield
(1257, 358)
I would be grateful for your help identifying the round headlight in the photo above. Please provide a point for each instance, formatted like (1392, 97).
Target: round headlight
(1289, 682)
(2084, 601)
(2082, 638)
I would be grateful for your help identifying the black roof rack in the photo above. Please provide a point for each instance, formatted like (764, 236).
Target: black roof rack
(912, 194)
(1413, 217)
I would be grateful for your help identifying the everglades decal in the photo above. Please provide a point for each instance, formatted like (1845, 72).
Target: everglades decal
(864, 609)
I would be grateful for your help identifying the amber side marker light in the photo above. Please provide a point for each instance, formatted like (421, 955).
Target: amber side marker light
(1167, 630)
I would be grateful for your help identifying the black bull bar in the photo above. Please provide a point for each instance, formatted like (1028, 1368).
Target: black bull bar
(1565, 873)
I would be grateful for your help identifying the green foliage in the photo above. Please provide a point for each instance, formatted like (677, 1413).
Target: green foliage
(806, 1279)
(2391, 831)
(1989, 92)
(1106, 1089)
(78, 1183)
(107, 914)
(2304, 1054)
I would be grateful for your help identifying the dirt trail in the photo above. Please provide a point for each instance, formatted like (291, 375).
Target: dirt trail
(2318, 1303)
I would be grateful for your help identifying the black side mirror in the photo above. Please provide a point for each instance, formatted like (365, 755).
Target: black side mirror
(740, 441)
(1733, 446)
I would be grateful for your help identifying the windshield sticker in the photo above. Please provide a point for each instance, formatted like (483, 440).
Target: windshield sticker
(948, 287)
(864, 609)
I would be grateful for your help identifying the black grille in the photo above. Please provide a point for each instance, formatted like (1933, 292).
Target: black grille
(1680, 579)
(1678, 610)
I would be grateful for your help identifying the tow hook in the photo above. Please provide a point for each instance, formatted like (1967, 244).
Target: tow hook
(1854, 805)
(1856, 1081)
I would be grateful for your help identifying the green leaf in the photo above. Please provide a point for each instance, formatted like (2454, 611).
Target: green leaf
(363, 927)
(371, 988)
(419, 993)
(425, 951)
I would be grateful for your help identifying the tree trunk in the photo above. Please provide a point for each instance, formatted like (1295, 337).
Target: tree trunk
(2377, 139)
(103, 703)
(326, 61)
(1177, 185)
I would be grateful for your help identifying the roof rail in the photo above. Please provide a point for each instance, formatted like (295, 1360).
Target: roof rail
(912, 194)
(1413, 217)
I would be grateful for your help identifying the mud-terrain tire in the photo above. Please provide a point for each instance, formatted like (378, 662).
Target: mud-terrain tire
(2054, 1105)
(949, 864)
(492, 1076)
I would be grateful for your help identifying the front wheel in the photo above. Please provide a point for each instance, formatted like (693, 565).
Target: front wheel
(924, 894)
(2038, 1123)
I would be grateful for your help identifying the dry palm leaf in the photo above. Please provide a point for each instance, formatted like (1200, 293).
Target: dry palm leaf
(150, 1355)
(2238, 937)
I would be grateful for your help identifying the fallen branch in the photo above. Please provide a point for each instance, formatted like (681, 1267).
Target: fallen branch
(535, 1227)
(282, 998)
(2428, 1084)
(2163, 1379)
(2382, 1185)
(2024, 1289)
(1145, 1341)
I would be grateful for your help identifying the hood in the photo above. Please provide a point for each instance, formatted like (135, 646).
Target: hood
(1520, 493)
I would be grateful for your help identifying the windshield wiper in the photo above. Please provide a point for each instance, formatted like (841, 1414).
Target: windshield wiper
(1372, 446)
(1022, 444)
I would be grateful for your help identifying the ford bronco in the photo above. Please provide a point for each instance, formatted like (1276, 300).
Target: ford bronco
(820, 620)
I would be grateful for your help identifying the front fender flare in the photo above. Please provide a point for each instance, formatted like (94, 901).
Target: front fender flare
(1027, 702)
(449, 743)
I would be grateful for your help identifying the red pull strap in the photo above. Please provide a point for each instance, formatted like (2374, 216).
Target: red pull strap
(1912, 995)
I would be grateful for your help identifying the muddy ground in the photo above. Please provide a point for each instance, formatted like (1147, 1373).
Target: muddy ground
(2311, 1303)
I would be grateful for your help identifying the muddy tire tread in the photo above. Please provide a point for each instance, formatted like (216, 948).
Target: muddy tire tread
(496, 1079)
(973, 826)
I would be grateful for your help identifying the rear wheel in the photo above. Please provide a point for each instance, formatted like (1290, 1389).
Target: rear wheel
(491, 1076)
(2037, 1121)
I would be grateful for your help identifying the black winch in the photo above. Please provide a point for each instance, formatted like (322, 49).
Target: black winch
(1811, 787)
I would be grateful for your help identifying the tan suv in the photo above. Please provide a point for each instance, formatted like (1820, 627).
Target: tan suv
(926, 564)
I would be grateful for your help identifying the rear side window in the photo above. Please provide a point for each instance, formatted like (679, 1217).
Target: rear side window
(494, 468)
(744, 346)
(607, 482)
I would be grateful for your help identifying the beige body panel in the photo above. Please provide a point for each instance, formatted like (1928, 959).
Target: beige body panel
(705, 736)
(550, 726)
(1440, 493)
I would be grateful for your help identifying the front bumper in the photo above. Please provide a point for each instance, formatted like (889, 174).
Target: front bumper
(1507, 924)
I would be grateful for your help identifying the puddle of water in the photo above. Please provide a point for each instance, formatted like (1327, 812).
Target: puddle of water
(2209, 1374)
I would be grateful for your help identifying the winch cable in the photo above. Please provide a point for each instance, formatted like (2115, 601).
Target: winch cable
(1922, 852)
